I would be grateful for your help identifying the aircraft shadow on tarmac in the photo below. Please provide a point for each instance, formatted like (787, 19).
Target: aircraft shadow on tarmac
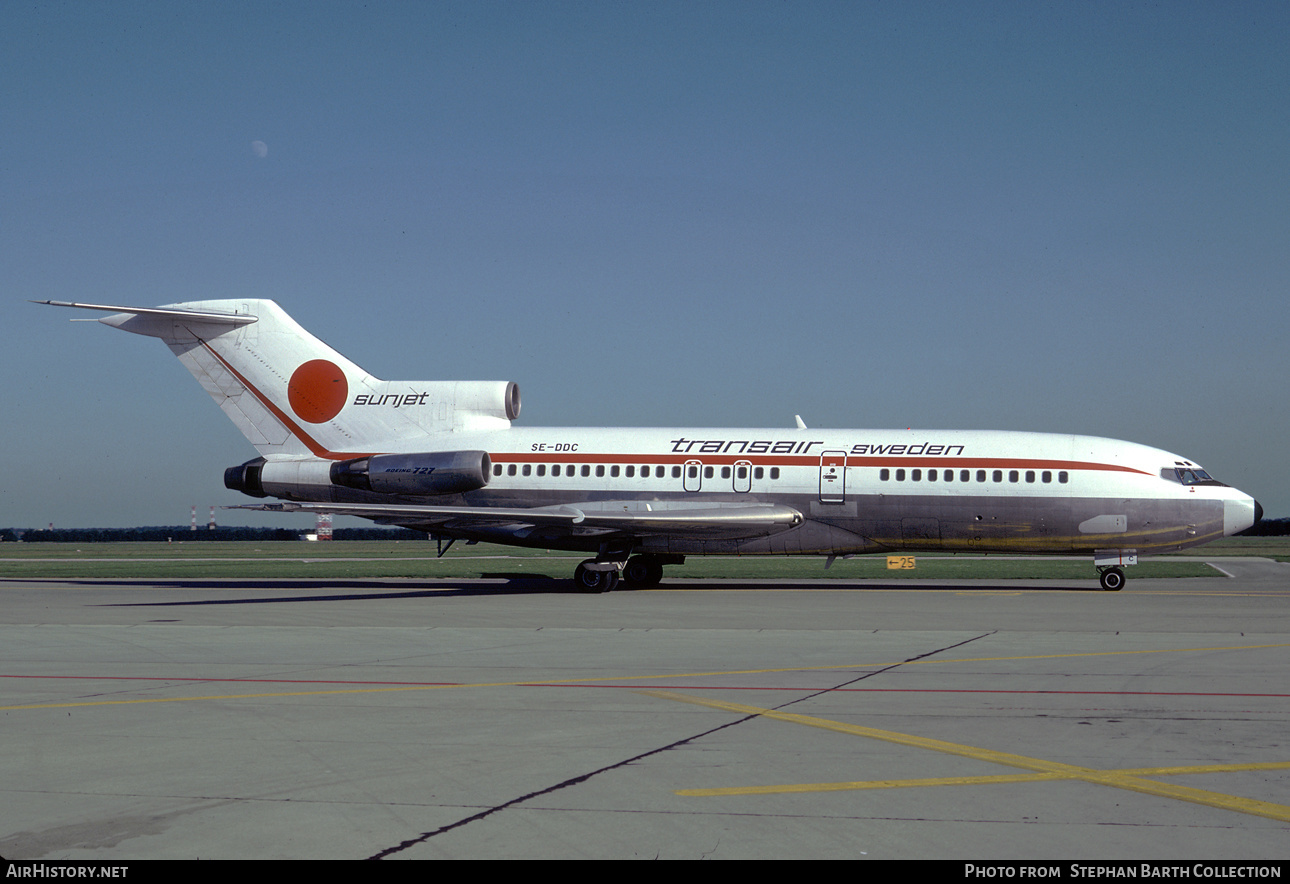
(507, 585)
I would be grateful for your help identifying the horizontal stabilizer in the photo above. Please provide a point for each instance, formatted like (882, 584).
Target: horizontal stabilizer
(208, 316)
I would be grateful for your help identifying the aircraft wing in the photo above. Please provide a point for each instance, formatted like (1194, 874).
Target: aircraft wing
(641, 518)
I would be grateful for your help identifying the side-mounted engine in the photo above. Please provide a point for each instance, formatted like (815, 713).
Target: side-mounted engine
(415, 475)
(438, 472)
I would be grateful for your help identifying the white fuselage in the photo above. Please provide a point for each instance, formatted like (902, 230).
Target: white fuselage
(859, 490)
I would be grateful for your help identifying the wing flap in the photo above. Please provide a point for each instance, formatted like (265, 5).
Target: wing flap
(716, 521)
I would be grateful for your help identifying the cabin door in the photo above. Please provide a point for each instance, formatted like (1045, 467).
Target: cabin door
(693, 476)
(833, 477)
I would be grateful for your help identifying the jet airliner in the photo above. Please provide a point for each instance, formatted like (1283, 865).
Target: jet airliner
(444, 457)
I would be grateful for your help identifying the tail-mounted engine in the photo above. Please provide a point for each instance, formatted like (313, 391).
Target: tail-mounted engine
(246, 478)
(436, 472)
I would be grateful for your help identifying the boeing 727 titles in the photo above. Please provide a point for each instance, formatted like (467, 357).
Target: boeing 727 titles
(444, 457)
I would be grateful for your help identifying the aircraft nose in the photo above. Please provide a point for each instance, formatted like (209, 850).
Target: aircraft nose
(1240, 514)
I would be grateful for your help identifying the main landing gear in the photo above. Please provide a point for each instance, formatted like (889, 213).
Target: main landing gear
(599, 576)
(643, 571)
(593, 576)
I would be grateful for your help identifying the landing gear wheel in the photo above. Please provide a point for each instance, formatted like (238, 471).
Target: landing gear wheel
(643, 571)
(1112, 579)
(589, 580)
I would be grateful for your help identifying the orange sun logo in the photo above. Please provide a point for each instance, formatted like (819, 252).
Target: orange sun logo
(317, 391)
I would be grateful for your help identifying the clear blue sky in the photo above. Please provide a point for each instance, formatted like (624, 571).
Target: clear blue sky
(1067, 217)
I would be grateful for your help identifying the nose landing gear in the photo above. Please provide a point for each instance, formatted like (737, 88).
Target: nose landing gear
(1112, 579)
(1110, 564)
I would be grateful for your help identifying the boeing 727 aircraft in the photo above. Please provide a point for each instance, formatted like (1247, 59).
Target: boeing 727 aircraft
(443, 457)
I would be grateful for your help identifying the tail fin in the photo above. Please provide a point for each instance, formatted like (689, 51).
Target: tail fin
(292, 395)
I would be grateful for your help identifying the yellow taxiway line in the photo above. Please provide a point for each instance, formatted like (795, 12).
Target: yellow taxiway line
(1133, 779)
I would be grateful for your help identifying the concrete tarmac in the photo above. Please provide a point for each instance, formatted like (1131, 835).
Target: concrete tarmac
(516, 718)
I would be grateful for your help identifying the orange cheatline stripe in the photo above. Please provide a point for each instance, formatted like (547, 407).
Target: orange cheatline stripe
(812, 460)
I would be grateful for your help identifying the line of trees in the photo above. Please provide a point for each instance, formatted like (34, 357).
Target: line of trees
(184, 533)
(1268, 528)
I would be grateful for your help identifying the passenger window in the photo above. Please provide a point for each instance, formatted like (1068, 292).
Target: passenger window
(510, 470)
(528, 469)
(497, 469)
(980, 475)
(998, 475)
(1062, 477)
(774, 472)
(900, 475)
(586, 470)
(1046, 476)
(600, 471)
(1012, 475)
(613, 471)
(884, 474)
(707, 472)
(631, 472)
(676, 472)
(1030, 475)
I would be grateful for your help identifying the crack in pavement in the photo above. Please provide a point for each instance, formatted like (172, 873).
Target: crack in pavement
(582, 778)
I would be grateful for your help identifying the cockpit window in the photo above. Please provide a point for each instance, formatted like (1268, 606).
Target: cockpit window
(1189, 476)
